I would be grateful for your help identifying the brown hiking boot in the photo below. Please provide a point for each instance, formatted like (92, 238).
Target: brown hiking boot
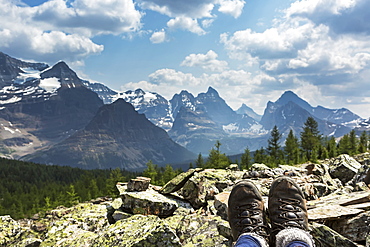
(246, 211)
(286, 206)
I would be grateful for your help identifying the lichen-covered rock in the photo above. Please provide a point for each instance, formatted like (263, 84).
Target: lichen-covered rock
(9, 230)
(204, 185)
(200, 230)
(138, 231)
(178, 182)
(326, 237)
(344, 167)
(356, 228)
(82, 222)
(138, 184)
(148, 202)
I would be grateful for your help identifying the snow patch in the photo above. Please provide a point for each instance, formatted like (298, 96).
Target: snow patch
(13, 99)
(28, 75)
(230, 127)
(50, 85)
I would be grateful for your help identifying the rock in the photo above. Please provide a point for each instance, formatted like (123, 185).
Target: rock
(148, 202)
(199, 230)
(39, 227)
(202, 186)
(138, 230)
(356, 228)
(233, 167)
(331, 212)
(9, 230)
(138, 184)
(344, 168)
(221, 204)
(77, 227)
(178, 182)
(326, 237)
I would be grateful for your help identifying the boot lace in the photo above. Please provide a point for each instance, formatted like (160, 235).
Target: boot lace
(290, 214)
(251, 219)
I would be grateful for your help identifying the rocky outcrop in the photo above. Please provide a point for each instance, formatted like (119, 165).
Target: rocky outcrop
(191, 210)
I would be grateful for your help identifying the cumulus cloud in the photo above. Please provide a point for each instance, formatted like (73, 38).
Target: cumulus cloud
(232, 7)
(206, 61)
(186, 23)
(158, 37)
(170, 76)
(185, 14)
(58, 30)
(341, 16)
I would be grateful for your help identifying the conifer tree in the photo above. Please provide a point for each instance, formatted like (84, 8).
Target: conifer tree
(259, 156)
(168, 173)
(310, 137)
(216, 159)
(200, 161)
(246, 159)
(114, 177)
(343, 145)
(352, 143)
(72, 197)
(332, 147)
(291, 149)
(363, 144)
(273, 147)
(151, 172)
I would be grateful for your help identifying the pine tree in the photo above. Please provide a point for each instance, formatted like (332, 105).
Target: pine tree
(151, 172)
(291, 149)
(310, 137)
(246, 159)
(72, 197)
(114, 177)
(168, 173)
(216, 159)
(332, 147)
(259, 156)
(352, 143)
(273, 147)
(343, 145)
(363, 145)
(200, 161)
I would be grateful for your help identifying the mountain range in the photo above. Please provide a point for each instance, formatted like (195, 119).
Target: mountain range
(50, 115)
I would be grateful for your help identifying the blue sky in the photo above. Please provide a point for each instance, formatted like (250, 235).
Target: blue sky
(250, 51)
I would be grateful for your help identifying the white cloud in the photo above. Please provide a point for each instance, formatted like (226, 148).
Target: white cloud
(170, 76)
(56, 31)
(89, 17)
(349, 16)
(185, 14)
(158, 37)
(206, 61)
(186, 23)
(175, 8)
(232, 7)
(207, 23)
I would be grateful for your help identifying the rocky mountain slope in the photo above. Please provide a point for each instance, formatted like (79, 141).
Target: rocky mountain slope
(117, 136)
(41, 108)
(191, 209)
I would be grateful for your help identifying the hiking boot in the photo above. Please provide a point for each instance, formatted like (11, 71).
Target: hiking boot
(286, 207)
(246, 211)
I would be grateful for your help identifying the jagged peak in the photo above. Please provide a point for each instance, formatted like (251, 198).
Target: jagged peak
(291, 96)
(213, 91)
